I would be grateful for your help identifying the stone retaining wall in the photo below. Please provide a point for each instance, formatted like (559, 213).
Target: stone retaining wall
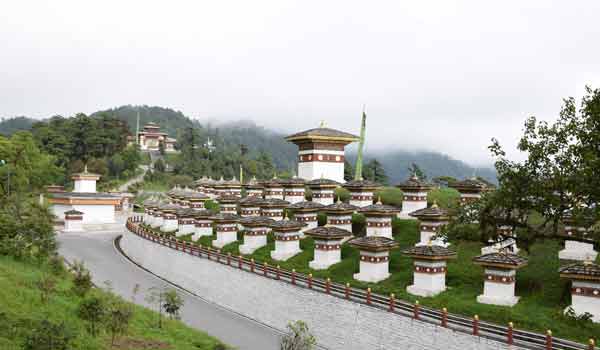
(335, 322)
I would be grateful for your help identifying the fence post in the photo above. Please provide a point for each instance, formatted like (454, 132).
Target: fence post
(252, 265)
(369, 296)
(310, 280)
(208, 253)
(509, 334)
(347, 291)
(392, 302)
(416, 310)
(293, 276)
(591, 344)
(240, 261)
(476, 325)
(265, 269)
(548, 340)
(278, 272)
(444, 317)
(328, 285)
(218, 255)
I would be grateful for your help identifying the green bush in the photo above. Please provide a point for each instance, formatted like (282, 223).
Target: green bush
(390, 195)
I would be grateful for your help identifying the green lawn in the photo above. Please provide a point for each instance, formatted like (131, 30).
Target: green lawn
(20, 303)
(538, 284)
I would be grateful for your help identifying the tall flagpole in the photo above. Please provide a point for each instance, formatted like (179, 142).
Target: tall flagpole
(137, 128)
(361, 144)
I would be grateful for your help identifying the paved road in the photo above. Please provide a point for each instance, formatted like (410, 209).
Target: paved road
(106, 264)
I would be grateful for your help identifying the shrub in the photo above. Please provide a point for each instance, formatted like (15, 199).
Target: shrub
(297, 337)
(82, 280)
(48, 336)
(92, 310)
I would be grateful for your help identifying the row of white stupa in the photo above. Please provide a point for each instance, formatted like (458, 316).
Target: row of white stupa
(185, 214)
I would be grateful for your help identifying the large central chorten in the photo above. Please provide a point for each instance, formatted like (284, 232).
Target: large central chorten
(321, 152)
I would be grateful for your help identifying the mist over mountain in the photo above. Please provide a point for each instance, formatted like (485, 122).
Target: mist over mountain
(257, 138)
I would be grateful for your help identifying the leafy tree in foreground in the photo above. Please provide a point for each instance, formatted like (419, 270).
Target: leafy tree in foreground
(118, 317)
(172, 303)
(47, 286)
(82, 279)
(48, 336)
(92, 310)
(560, 175)
(297, 337)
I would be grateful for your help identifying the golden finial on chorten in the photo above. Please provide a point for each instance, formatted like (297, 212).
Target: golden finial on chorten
(322, 124)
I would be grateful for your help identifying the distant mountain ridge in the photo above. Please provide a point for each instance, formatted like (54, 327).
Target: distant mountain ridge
(257, 138)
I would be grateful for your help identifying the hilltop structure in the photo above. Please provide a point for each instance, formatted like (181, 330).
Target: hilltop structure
(321, 152)
(151, 137)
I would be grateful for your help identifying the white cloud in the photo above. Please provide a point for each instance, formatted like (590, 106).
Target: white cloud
(442, 75)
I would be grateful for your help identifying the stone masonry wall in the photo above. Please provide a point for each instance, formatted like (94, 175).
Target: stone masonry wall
(335, 322)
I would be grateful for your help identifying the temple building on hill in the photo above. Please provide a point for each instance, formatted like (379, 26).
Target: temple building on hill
(321, 152)
(95, 207)
(151, 137)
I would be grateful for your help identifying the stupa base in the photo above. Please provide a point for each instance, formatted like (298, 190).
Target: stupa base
(321, 265)
(501, 301)
(371, 278)
(414, 290)
(248, 249)
(283, 256)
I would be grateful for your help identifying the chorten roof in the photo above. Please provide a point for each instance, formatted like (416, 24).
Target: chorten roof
(225, 217)
(168, 207)
(322, 133)
(203, 214)
(430, 252)
(197, 196)
(185, 212)
(413, 183)
(85, 174)
(306, 206)
(328, 232)
(286, 225)
(294, 182)
(251, 201)
(274, 203)
(470, 185)
(581, 271)
(374, 243)
(228, 198)
(73, 212)
(379, 208)
(361, 184)
(339, 207)
(253, 184)
(256, 221)
(274, 182)
(322, 183)
(505, 260)
(434, 212)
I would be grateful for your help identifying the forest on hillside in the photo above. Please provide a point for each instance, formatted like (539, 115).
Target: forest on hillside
(259, 143)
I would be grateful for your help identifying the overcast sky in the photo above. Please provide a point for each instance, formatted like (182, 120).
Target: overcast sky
(445, 75)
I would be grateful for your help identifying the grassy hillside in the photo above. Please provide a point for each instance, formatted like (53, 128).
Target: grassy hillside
(21, 309)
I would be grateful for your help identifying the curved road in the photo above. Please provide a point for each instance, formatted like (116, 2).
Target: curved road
(100, 256)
